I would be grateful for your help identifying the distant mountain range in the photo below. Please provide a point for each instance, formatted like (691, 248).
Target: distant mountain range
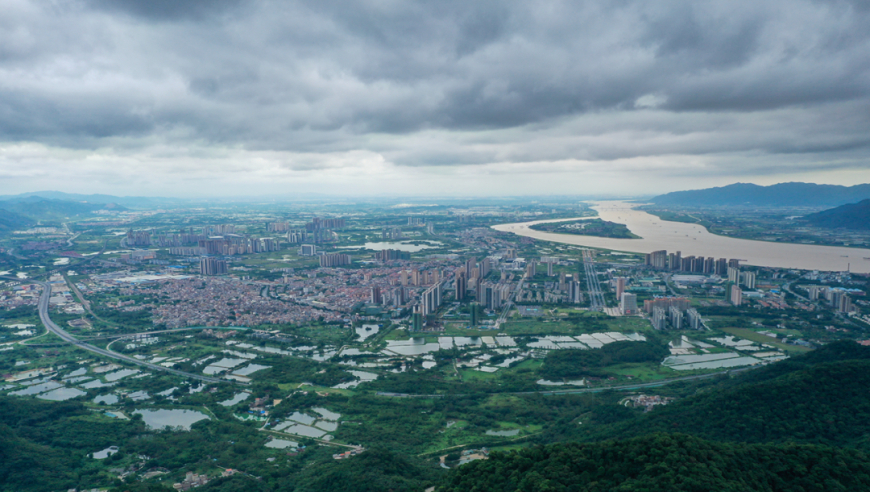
(28, 211)
(126, 201)
(852, 216)
(10, 221)
(778, 195)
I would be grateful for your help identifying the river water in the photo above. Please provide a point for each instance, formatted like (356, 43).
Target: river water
(693, 239)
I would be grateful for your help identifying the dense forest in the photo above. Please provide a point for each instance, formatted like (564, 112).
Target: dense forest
(849, 216)
(819, 398)
(665, 462)
(799, 424)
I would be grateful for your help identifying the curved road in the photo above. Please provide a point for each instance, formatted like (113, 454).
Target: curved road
(57, 330)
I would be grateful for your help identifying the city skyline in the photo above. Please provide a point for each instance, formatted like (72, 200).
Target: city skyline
(201, 99)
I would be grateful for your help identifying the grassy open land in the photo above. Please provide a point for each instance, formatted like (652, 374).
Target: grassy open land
(456, 330)
(573, 324)
(475, 375)
(757, 337)
(644, 372)
(528, 365)
(532, 326)
(334, 334)
(590, 227)
(628, 324)
(677, 217)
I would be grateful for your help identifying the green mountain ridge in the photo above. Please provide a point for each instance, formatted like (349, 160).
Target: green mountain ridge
(850, 216)
(818, 398)
(664, 462)
(17, 214)
(10, 221)
(798, 424)
(778, 195)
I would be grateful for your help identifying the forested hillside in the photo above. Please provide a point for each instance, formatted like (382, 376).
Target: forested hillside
(851, 216)
(820, 398)
(663, 462)
(778, 195)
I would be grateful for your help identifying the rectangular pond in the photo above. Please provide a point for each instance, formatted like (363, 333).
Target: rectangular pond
(171, 419)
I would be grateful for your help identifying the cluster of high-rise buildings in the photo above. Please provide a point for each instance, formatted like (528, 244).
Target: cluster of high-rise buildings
(316, 236)
(392, 255)
(237, 245)
(144, 238)
(334, 260)
(673, 312)
(315, 232)
(662, 260)
(212, 266)
(836, 298)
(138, 238)
(188, 243)
(391, 233)
(317, 224)
(278, 226)
(219, 230)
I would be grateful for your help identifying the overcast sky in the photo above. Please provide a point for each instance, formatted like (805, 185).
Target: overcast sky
(199, 98)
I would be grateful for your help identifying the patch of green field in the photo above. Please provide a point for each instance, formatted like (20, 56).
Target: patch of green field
(643, 372)
(539, 327)
(474, 375)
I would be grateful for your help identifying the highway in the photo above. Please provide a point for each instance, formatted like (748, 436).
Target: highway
(507, 306)
(60, 332)
(595, 296)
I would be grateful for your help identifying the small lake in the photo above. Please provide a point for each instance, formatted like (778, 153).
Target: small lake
(304, 430)
(362, 375)
(78, 372)
(105, 453)
(77, 380)
(467, 341)
(250, 369)
(366, 331)
(281, 444)
(503, 433)
(418, 347)
(326, 425)
(236, 399)
(96, 383)
(399, 245)
(61, 394)
(544, 382)
(301, 418)
(326, 414)
(160, 419)
(118, 375)
(36, 389)
(717, 364)
(168, 392)
(106, 399)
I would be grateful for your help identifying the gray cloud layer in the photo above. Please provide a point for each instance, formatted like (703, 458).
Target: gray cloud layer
(443, 83)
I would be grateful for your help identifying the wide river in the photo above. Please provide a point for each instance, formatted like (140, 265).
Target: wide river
(695, 240)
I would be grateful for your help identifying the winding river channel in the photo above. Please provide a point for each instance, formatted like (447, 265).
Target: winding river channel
(693, 239)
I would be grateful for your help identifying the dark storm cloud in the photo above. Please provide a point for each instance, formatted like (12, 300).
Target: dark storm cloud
(167, 10)
(338, 76)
